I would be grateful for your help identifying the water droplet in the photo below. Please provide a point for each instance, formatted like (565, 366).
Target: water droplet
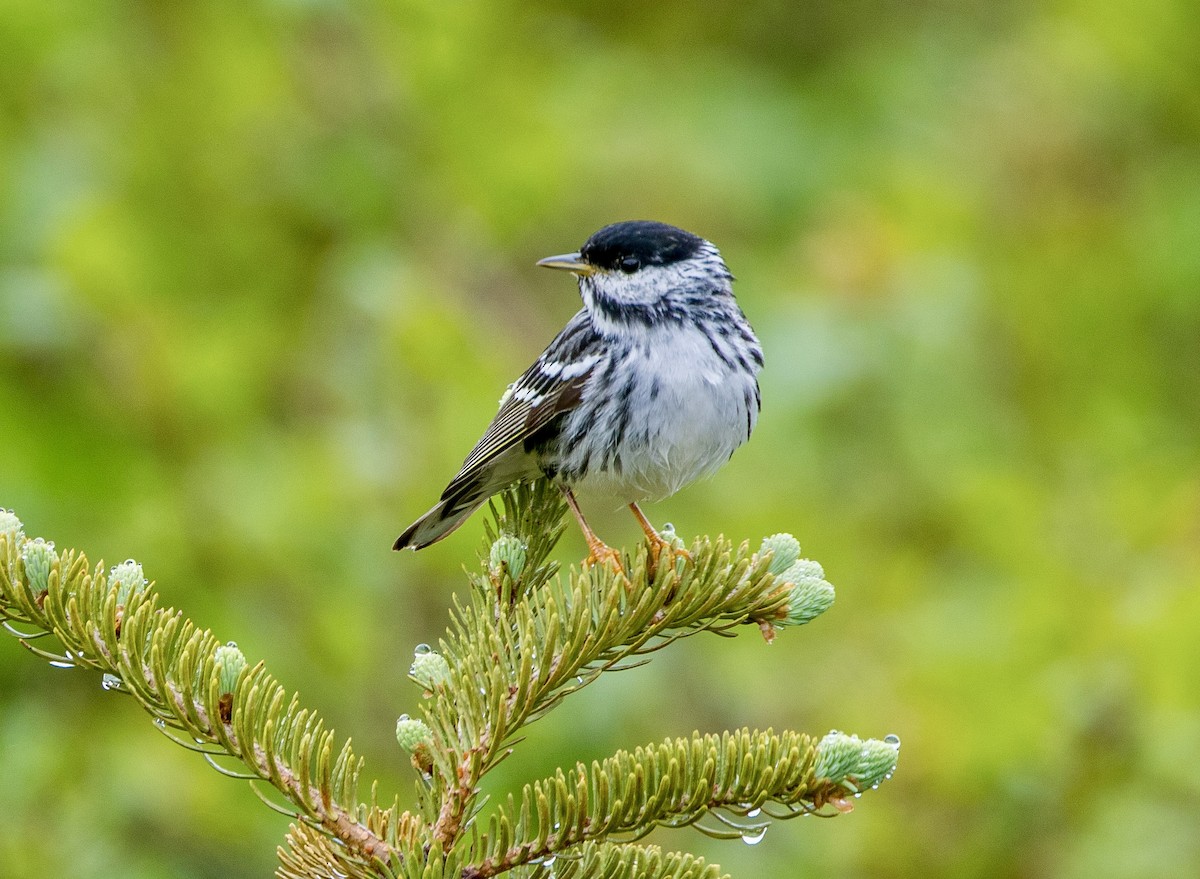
(754, 813)
(232, 644)
(858, 795)
(160, 723)
(111, 682)
(579, 679)
(59, 663)
(422, 649)
(893, 740)
(753, 836)
(131, 561)
(403, 717)
(547, 862)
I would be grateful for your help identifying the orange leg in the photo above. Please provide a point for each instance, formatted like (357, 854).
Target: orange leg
(657, 544)
(598, 550)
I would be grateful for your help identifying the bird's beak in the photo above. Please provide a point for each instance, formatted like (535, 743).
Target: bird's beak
(569, 262)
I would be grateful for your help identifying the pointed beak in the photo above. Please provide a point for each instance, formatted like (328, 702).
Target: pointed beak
(568, 262)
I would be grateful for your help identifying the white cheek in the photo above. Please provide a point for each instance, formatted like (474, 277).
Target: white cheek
(647, 285)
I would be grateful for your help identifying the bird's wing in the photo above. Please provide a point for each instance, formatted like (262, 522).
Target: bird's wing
(551, 387)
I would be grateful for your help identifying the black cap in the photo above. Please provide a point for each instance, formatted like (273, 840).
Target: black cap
(632, 244)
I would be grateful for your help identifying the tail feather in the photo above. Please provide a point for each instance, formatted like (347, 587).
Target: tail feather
(464, 497)
(439, 522)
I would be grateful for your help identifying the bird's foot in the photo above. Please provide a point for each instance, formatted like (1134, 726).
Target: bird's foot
(657, 543)
(660, 547)
(600, 553)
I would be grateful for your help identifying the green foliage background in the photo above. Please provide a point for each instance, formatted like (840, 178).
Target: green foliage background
(266, 268)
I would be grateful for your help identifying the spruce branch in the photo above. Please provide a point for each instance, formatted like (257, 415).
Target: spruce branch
(514, 661)
(524, 638)
(673, 784)
(624, 861)
(112, 622)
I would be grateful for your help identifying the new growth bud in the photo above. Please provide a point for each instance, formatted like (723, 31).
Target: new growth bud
(11, 527)
(429, 668)
(785, 549)
(667, 533)
(38, 557)
(229, 661)
(127, 578)
(811, 595)
(837, 755)
(507, 556)
(848, 760)
(878, 761)
(412, 733)
(416, 737)
(803, 569)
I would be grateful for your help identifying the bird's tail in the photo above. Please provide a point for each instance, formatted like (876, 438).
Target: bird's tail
(463, 496)
(444, 518)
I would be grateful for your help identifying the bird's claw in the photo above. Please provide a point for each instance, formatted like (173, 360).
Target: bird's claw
(658, 547)
(602, 554)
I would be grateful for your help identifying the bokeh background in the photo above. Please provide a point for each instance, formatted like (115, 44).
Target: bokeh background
(266, 268)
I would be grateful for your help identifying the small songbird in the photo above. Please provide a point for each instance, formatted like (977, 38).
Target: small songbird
(650, 386)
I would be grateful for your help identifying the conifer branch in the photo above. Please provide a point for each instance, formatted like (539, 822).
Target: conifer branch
(672, 784)
(111, 622)
(627, 861)
(514, 661)
(523, 639)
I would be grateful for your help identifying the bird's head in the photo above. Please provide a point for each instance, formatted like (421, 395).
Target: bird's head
(644, 272)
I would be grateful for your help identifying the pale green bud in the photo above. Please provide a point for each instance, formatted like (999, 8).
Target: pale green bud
(802, 569)
(670, 537)
(127, 578)
(785, 549)
(229, 661)
(877, 761)
(11, 527)
(413, 734)
(507, 555)
(38, 557)
(838, 755)
(810, 597)
(429, 668)
(843, 758)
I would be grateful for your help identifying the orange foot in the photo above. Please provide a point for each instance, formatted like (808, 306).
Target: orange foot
(658, 547)
(600, 553)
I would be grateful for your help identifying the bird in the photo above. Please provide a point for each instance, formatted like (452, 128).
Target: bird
(652, 385)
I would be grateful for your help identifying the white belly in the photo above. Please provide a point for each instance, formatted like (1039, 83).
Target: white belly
(691, 410)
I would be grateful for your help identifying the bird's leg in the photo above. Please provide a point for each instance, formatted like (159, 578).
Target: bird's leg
(657, 544)
(598, 550)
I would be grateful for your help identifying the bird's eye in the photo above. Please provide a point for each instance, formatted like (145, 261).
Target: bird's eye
(630, 264)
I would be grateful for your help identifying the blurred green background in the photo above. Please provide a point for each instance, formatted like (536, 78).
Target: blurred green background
(266, 268)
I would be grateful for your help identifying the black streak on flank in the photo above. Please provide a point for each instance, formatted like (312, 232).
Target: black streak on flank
(721, 355)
